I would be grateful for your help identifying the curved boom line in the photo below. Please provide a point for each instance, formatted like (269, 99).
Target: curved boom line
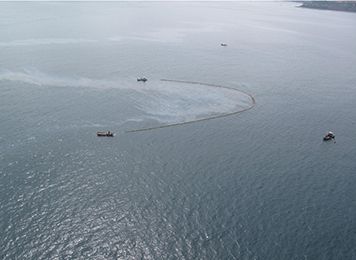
(202, 119)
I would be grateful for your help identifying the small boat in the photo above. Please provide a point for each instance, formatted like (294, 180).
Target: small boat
(142, 79)
(107, 134)
(223, 44)
(329, 136)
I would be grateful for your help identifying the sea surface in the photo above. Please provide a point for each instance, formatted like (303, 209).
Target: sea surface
(256, 185)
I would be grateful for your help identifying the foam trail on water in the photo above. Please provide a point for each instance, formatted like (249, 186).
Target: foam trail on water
(35, 42)
(185, 102)
(37, 78)
(163, 101)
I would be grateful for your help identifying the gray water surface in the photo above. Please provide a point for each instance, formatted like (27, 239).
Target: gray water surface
(259, 185)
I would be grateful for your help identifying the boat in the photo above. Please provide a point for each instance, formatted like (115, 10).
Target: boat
(329, 136)
(223, 44)
(142, 79)
(106, 133)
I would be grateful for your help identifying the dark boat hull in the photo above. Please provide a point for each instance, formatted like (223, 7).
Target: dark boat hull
(328, 138)
(104, 134)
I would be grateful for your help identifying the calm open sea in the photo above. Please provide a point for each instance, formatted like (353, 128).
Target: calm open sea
(258, 185)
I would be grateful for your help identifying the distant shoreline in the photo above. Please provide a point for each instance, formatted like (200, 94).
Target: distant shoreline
(345, 6)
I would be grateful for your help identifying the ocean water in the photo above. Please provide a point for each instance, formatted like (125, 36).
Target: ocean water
(256, 185)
